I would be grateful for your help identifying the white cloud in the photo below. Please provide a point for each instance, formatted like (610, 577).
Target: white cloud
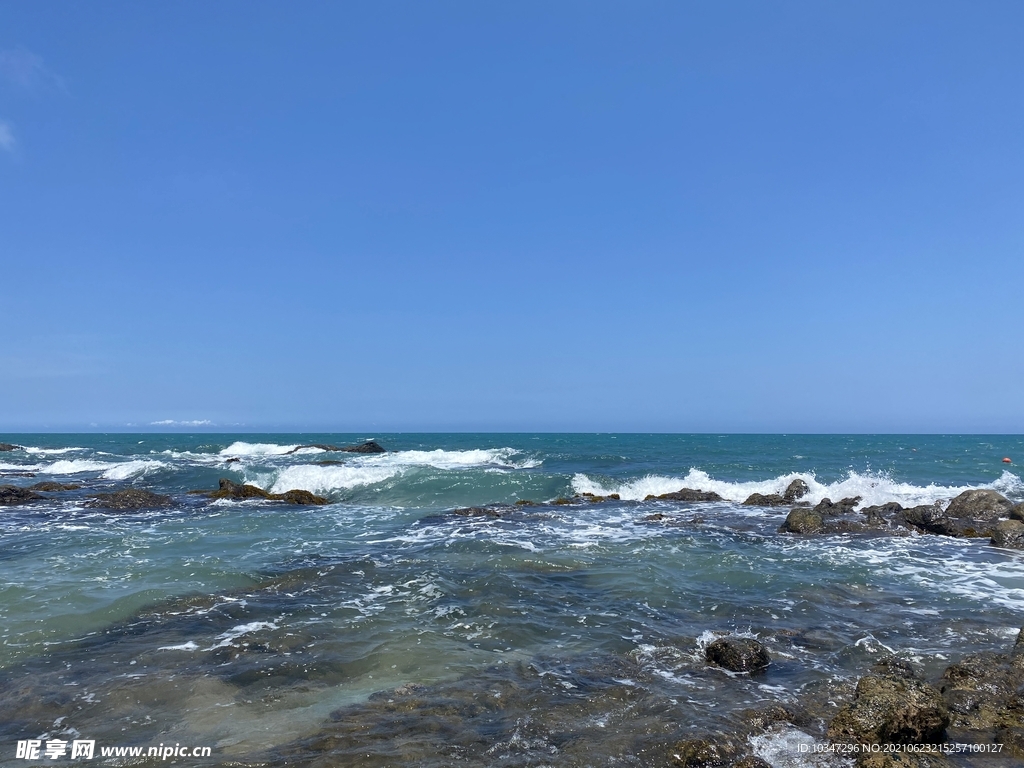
(7, 141)
(173, 423)
(26, 70)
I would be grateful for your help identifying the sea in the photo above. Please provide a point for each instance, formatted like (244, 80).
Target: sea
(386, 629)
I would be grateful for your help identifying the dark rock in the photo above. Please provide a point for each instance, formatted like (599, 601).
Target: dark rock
(972, 514)
(10, 447)
(796, 490)
(828, 508)
(368, 447)
(237, 491)
(979, 504)
(738, 654)
(1017, 512)
(686, 494)
(901, 760)
(12, 494)
(232, 460)
(701, 753)
(130, 498)
(893, 666)
(759, 720)
(751, 761)
(526, 503)
(1009, 534)
(881, 513)
(49, 485)
(476, 512)
(891, 710)
(803, 520)
(761, 500)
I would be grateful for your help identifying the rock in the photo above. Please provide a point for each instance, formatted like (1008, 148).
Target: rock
(803, 520)
(738, 654)
(796, 490)
(239, 492)
(751, 761)
(761, 500)
(891, 710)
(1017, 512)
(526, 503)
(368, 447)
(901, 760)
(972, 514)
(476, 512)
(979, 504)
(826, 507)
(49, 485)
(233, 461)
(1009, 534)
(701, 753)
(686, 494)
(130, 498)
(10, 447)
(12, 494)
(893, 666)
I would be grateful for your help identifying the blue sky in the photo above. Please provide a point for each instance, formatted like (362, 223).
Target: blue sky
(799, 217)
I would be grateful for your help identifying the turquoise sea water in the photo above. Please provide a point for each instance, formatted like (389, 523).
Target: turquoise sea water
(549, 635)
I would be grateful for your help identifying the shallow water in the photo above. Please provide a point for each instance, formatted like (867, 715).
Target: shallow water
(552, 635)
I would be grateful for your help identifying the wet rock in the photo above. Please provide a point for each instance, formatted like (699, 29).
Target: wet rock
(796, 490)
(702, 753)
(888, 709)
(803, 520)
(49, 485)
(234, 460)
(760, 720)
(686, 494)
(477, 512)
(828, 508)
(751, 761)
(738, 654)
(893, 666)
(526, 503)
(881, 514)
(901, 760)
(10, 447)
(984, 692)
(972, 514)
(979, 504)
(1009, 534)
(12, 494)
(762, 500)
(1017, 512)
(130, 498)
(368, 447)
(231, 490)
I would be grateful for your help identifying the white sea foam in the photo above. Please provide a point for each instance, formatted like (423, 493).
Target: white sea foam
(233, 634)
(257, 449)
(48, 451)
(872, 488)
(441, 459)
(132, 469)
(189, 646)
(788, 747)
(317, 479)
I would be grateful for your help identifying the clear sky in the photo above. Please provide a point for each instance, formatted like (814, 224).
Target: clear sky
(579, 216)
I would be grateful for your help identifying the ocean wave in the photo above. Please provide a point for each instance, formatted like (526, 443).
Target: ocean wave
(505, 458)
(872, 488)
(132, 469)
(260, 449)
(109, 470)
(49, 451)
(315, 479)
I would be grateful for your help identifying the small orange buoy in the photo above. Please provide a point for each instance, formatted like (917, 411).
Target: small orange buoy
(1006, 460)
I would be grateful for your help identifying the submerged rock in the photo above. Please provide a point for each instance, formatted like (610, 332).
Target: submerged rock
(476, 512)
(49, 485)
(10, 447)
(796, 490)
(888, 709)
(702, 753)
(1009, 534)
(738, 654)
(13, 494)
(240, 492)
(130, 498)
(803, 520)
(762, 500)
(686, 494)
